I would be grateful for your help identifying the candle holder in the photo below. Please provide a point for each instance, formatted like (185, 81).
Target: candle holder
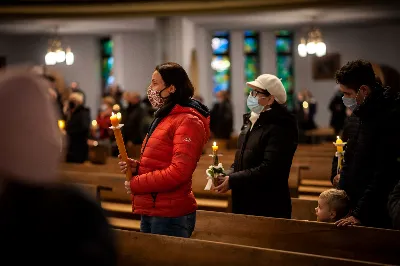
(339, 155)
(214, 171)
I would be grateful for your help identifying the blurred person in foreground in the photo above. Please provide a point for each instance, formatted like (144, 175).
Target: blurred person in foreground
(42, 221)
(371, 167)
(161, 184)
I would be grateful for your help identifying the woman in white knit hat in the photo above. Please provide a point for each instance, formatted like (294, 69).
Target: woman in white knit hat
(259, 175)
(42, 221)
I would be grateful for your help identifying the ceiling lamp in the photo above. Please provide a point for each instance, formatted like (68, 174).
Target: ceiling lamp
(56, 54)
(314, 44)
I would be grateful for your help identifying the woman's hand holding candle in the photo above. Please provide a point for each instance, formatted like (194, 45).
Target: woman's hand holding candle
(120, 143)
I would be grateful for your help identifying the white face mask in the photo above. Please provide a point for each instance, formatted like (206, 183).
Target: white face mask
(254, 106)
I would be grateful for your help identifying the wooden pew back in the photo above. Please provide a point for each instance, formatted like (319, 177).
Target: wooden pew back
(137, 248)
(358, 243)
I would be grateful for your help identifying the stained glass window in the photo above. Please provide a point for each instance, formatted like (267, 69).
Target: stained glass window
(107, 67)
(220, 62)
(251, 58)
(284, 64)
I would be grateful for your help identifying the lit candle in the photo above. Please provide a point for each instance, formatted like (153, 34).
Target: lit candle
(116, 108)
(114, 120)
(94, 124)
(61, 124)
(119, 116)
(215, 147)
(120, 143)
(339, 148)
(305, 105)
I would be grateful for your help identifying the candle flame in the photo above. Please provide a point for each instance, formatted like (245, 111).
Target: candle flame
(338, 137)
(119, 116)
(214, 144)
(94, 123)
(116, 108)
(305, 105)
(112, 114)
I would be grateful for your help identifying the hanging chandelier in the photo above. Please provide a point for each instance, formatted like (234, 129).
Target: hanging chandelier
(313, 45)
(56, 54)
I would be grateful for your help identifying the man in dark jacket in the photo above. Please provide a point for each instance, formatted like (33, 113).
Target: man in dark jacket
(371, 166)
(259, 175)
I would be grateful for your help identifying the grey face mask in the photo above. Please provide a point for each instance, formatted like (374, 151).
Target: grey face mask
(350, 103)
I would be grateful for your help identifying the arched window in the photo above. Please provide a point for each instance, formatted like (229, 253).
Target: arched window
(221, 63)
(251, 57)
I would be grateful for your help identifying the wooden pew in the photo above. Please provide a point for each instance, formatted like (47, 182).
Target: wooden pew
(136, 248)
(303, 209)
(359, 243)
(92, 190)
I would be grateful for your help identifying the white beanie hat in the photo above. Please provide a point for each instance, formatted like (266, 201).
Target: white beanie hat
(30, 140)
(272, 84)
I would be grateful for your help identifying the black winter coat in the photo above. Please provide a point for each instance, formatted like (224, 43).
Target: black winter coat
(259, 181)
(77, 129)
(371, 166)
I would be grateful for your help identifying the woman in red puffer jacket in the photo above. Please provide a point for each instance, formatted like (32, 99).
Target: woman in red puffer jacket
(162, 180)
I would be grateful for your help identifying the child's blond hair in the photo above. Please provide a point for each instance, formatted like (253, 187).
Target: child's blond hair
(337, 201)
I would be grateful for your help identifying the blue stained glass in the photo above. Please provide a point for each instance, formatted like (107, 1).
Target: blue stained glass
(110, 80)
(220, 45)
(284, 65)
(283, 45)
(221, 66)
(250, 45)
(250, 33)
(221, 33)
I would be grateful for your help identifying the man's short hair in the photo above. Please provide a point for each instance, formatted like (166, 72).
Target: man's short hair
(355, 74)
(337, 201)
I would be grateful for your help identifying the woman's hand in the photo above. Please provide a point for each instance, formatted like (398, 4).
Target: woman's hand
(133, 164)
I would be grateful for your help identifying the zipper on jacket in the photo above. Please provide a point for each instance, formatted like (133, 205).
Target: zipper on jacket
(154, 196)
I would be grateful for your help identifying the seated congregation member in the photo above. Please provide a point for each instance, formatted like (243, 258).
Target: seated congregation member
(43, 221)
(371, 166)
(259, 175)
(333, 205)
(77, 128)
(162, 180)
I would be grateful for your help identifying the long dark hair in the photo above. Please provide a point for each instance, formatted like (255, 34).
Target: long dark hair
(174, 74)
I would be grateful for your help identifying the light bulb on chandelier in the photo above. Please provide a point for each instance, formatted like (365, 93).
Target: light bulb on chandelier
(302, 48)
(69, 57)
(50, 58)
(320, 49)
(60, 55)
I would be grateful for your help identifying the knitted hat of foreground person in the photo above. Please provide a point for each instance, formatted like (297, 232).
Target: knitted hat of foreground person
(30, 140)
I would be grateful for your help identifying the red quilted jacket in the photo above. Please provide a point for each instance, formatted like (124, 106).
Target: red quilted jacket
(163, 186)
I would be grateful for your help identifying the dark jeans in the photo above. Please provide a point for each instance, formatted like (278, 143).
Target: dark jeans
(182, 226)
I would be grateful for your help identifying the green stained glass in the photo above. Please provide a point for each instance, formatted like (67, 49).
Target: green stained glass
(283, 45)
(251, 68)
(250, 45)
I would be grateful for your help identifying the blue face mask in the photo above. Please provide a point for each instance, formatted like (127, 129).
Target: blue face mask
(254, 106)
(350, 103)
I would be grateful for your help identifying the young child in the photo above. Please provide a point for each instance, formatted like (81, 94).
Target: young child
(333, 205)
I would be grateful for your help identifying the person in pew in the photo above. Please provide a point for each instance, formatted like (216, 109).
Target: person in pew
(162, 179)
(43, 221)
(371, 166)
(333, 205)
(78, 129)
(259, 175)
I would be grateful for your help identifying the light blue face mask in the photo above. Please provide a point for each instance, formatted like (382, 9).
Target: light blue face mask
(350, 103)
(254, 106)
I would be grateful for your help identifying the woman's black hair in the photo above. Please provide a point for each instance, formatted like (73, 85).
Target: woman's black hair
(174, 74)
